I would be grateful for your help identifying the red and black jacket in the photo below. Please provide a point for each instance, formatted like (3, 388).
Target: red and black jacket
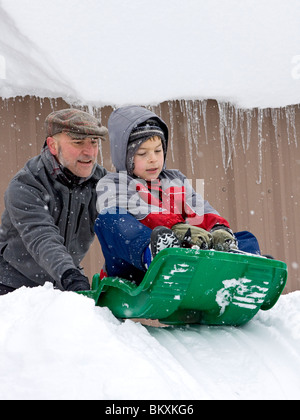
(164, 202)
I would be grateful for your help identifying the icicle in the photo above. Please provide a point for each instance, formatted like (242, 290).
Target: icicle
(195, 125)
(51, 104)
(187, 114)
(222, 124)
(274, 116)
(171, 136)
(6, 103)
(290, 122)
(182, 106)
(250, 114)
(100, 115)
(203, 106)
(91, 109)
(101, 153)
(260, 117)
(156, 109)
(228, 122)
(240, 116)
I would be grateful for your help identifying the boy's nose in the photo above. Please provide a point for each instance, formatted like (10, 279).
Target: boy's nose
(152, 157)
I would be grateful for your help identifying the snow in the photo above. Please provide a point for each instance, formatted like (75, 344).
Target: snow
(246, 297)
(118, 52)
(58, 345)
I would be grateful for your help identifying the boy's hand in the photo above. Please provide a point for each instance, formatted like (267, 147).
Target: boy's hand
(222, 240)
(197, 236)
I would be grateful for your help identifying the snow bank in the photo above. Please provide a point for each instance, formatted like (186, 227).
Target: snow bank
(261, 360)
(58, 345)
(118, 52)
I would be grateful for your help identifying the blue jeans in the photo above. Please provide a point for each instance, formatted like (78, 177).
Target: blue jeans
(247, 242)
(123, 240)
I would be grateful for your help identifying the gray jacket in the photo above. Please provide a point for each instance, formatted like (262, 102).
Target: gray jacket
(48, 223)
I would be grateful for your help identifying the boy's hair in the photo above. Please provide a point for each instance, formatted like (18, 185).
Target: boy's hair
(138, 136)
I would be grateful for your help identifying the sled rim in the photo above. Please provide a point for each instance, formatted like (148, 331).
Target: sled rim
(169, 286)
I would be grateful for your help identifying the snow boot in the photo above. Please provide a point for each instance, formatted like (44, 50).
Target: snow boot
(161, 238)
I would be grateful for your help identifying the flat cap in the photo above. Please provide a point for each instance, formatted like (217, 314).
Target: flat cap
(77, 124)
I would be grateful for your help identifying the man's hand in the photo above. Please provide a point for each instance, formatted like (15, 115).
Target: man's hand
(73, 281)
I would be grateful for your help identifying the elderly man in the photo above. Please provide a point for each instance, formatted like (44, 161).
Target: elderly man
(50, 207)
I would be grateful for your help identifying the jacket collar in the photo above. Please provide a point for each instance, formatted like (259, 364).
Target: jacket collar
(59, 172)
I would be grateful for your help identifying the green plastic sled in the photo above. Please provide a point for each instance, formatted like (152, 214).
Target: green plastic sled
(184, 286)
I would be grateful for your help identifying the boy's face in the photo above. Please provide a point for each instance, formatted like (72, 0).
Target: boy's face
(149, 159)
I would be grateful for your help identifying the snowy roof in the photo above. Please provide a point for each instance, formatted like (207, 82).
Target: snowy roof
(117, 52)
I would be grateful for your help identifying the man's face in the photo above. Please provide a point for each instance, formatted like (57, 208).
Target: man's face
(77, 155)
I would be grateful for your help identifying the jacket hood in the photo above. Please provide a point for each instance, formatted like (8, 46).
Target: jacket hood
(120, 124)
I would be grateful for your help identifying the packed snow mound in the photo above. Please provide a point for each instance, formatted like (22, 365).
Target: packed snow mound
(58, 345)
(139, 52)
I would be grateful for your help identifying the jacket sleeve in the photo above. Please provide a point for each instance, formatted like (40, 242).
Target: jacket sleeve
(30, 216)
(168, 220)
(161, 212)
(123, 192)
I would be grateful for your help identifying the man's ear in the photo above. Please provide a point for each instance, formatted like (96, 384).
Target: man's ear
(52, 145)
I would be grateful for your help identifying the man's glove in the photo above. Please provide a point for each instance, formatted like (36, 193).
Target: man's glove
(223, 239)
(73, 281)
(192, 235)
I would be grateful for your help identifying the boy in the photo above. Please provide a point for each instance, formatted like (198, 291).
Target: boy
(144, 208)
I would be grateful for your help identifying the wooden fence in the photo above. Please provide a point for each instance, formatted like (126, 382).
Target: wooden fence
(249, 161)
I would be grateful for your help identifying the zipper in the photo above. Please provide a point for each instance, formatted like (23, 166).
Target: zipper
(79, 217)
(80, 213)
(68, 217)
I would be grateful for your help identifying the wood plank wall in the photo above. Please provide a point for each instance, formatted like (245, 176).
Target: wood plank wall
(249, 161)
